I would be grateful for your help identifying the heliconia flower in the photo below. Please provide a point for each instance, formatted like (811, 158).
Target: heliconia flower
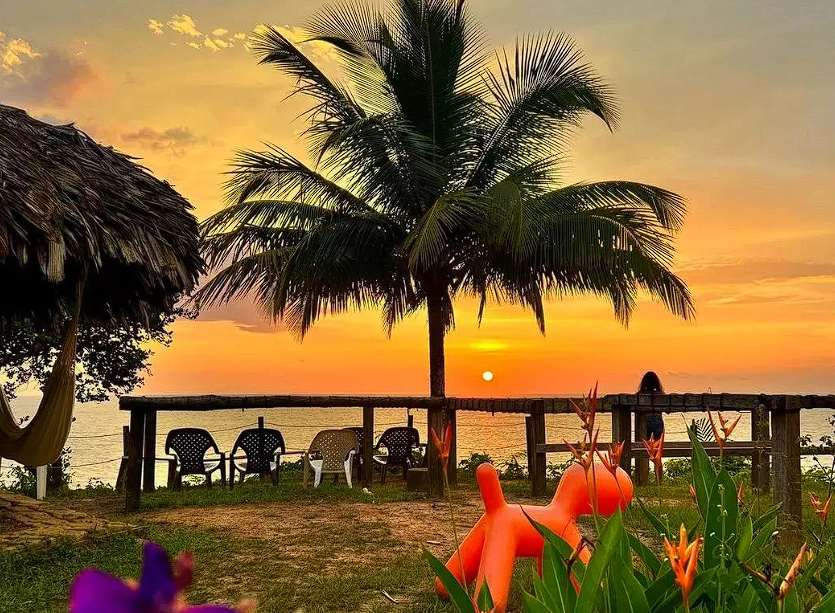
(655, 451)
(443, 444)
(583, 458)
(693, 494)
(587, 411)
(791, 575)
(684, 562)
(612, 459)
(821, 508)
(726, 429)
(157, 591)
(739, 492)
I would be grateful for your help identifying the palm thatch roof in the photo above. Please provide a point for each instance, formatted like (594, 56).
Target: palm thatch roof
(70, 207)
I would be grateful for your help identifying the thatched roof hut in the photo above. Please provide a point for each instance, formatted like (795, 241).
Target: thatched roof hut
(69, 205)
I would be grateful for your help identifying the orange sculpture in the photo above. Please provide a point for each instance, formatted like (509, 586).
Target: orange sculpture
(504, 533)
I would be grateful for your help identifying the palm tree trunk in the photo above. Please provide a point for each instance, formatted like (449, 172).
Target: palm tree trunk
(438, 417)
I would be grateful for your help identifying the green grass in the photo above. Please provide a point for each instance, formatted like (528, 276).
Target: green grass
(327, 569)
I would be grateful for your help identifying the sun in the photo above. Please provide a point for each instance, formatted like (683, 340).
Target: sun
(487, 375)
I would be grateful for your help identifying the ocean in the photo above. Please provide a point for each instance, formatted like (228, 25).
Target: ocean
(96, 436)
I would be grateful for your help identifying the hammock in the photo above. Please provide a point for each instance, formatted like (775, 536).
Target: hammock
(43, 439)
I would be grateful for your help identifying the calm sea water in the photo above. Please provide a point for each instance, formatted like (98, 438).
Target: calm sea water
(96, 435)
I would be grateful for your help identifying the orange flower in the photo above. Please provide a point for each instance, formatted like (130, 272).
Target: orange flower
(655, 451)
(739, 492)
(726, 429)
(791, 576)
(443, 444)
(612, 459)
(684, 562)
(587, 410)
(821, 508)
(693, 495)
(586, 459)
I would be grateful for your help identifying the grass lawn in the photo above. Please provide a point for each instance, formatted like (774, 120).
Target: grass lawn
(292, 548)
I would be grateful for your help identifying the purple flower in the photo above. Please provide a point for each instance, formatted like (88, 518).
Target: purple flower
(94, 591)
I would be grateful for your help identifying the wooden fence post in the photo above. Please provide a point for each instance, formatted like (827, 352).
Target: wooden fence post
(367, 445)
(641, 475)
(622, 432)
(537, 435)
(133, 477)
(435, 421)
(150, 451)
(760, 433)
(123, 465)
(530, 445)
(785, 426)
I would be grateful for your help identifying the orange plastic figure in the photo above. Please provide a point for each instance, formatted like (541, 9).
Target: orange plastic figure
(504, 533)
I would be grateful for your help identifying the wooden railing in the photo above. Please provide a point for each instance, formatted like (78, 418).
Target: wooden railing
(774, 446)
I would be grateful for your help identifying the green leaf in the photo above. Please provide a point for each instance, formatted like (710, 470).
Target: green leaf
(457, 594)
(485, 599)
(531, 605)
(629, 594)
(659, 588)
(555, 577)
(656, 523)
(747, 603)
(760, 541)
(721, 518)
(703, 475)
(559, 544)
(743, 546)
(596, 569)
(767, 516)
(826, 605)
(544, 595)
(645, 554)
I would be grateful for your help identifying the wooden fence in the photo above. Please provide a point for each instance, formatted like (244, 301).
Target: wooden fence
(774, 446)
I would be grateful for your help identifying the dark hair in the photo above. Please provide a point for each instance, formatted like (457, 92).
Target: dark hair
(650, 384)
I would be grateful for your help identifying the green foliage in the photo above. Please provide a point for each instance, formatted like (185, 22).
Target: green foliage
(739, 570)
(435, 176)
(680, 469)
(468, 465)
(112, 358)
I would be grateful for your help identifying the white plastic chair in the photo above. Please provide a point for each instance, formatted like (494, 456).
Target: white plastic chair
(337, 449)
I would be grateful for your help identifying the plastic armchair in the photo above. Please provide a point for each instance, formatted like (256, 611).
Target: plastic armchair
(189, 447)
(263, 448)
(336, 450)
(398, 443)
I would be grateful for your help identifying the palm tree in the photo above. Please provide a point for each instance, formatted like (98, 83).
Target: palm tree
(436, 176)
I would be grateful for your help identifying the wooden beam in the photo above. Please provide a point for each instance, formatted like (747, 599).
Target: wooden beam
(150, 452)
(133, 478)
(367, 445)
(785, 426)
(641, 474)
(679, 449)
(644, 402)
(539, 465)
(760, 432)
(451, 418)
(123, 465)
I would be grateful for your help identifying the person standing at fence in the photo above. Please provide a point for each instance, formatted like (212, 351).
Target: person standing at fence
(651, 384)
(647, 424)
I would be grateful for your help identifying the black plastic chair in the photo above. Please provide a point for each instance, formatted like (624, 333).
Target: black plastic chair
(189, 447)
(399, 443)
(263, 448)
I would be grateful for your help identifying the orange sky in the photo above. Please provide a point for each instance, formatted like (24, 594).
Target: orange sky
(728, 104)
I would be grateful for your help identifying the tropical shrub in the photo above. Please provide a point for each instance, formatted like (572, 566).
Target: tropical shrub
(737, 571)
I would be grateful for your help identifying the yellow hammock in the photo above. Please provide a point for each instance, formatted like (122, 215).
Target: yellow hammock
(41, 442)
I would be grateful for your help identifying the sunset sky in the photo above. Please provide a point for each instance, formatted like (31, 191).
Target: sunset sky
(729, 103)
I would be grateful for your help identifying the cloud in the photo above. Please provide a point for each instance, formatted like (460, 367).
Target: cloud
(186, 25)
(157, 27)
(31, 76)
(173, 140)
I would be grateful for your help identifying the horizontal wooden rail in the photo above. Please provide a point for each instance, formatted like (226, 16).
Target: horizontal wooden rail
(680, 449)
(554, 405)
